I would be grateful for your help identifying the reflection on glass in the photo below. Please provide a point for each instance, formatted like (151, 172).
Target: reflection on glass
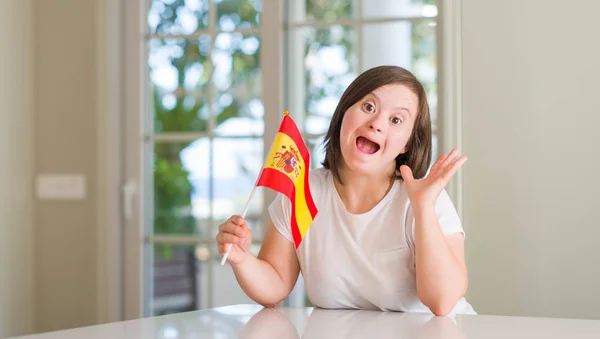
(178, 70)
(351, 324)
(399, 8)
(177, 16)
(238, 102)
(236, 166)
(355, 324)
(180, 180)
(179, 280)
(238, 14)
(271, 323)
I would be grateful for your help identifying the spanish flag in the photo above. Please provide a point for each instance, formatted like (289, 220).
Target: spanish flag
(286, 171)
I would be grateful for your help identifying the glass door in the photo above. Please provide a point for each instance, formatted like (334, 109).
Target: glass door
(197, 147)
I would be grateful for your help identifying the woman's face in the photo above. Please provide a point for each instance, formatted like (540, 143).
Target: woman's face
(376, 129)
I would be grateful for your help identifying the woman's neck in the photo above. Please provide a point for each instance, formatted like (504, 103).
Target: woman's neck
(360, 193)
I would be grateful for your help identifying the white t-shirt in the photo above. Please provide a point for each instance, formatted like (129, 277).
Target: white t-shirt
(362, 261)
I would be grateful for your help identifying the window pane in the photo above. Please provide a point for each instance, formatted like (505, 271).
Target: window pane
(323, 10)
(399, 8)
(332, 10)
(179, 278)
(237, 164)
(406, 44)
(238, 14)
(188, 188)
(177, 16)
(322, 64)
(316, 150)
(179, 76)
(182, 188)
(238, 96)
(331, 65)
(424, 59)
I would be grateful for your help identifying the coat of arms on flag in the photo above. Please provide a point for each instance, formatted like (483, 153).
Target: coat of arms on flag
(286, 159)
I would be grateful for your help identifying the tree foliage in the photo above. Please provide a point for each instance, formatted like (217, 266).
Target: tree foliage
(190, 111)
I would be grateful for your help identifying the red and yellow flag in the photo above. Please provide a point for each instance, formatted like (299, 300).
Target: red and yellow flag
(286, 171)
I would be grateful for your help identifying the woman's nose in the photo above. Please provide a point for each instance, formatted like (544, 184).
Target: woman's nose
(375, 128)
(376, 124)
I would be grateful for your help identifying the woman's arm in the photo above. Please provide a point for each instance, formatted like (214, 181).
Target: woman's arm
(270, 277)
(440, 267)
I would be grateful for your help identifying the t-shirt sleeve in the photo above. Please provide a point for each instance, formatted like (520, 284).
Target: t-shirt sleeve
(447, 218)
(447, 215)
(280, 211)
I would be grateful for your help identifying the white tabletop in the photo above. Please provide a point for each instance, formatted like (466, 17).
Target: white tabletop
(253, 322)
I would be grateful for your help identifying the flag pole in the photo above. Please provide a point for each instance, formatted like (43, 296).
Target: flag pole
(243, 215)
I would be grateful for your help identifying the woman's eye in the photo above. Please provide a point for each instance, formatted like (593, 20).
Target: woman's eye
(369, 108)
(396, 120)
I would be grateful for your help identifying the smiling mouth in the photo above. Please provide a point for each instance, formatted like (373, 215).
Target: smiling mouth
(367, 146)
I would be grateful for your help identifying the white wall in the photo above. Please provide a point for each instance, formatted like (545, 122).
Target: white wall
(47, 125)
(65, 142)
(16, 164)
(531, 118)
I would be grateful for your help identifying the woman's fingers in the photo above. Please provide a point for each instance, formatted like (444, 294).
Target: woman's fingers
(228, 238)
(446, 166)
(237, 220)
(406, 173)
(438, 163)
(223, 248)
(231, 227)
(453, 167)
(450, 158)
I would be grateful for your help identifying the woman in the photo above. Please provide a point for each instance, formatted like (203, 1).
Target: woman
(386, 237)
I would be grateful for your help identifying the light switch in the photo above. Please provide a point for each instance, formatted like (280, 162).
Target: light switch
(61, 186)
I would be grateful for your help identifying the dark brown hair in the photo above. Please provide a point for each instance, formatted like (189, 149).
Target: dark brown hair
(418, 147)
